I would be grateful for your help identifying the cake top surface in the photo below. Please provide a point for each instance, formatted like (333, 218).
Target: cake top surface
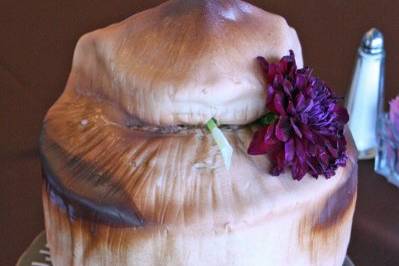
(184, 62)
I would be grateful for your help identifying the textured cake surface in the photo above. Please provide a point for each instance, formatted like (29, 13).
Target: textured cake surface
(184, 62)
(131, 176)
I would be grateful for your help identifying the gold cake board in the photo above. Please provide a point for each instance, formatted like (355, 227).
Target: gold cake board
(38, 254)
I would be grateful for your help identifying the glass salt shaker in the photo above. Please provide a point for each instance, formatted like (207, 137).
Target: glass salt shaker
(365, 99)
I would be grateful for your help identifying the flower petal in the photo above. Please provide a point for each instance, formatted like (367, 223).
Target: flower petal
(270, 94)
(342, 114)
(287, 87)
(289, 150)
(282, 130)
(263, 63)
(308, 133)
(295, 127)
(300, 81)
(280, 160)
(278, 103)
(300, 150)
(300, 102)
(272, 71)
(258, 145)
(269, 133)
(298, 170)
(291, 108)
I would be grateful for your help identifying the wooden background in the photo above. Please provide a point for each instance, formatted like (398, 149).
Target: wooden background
(36, 46)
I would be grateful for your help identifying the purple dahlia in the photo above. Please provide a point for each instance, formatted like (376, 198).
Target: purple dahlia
(304, 126)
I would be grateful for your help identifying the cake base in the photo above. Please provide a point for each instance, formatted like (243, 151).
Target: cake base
(293, 237)
(37, 254)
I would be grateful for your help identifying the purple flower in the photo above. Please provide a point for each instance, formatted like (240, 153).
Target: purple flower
(307, 134)
(394, 112)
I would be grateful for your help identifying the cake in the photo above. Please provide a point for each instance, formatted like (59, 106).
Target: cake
(133, 177)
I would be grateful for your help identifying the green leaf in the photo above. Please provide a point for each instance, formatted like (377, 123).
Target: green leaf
(268, 119)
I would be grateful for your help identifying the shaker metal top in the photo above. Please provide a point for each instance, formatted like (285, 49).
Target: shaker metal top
(373, 42)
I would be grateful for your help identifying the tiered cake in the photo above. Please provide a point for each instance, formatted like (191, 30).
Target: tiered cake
(131, 175)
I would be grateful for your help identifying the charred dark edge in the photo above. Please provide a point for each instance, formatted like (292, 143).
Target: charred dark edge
(337, 205)
(80, 207)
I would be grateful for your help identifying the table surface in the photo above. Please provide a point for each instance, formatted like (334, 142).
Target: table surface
(37, 42)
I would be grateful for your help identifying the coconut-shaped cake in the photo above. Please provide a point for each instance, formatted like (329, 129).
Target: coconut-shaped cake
(191, 134)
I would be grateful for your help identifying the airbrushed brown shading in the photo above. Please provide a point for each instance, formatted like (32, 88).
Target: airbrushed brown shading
(338, 204)
(177, 182)
(184, 61)
(128, 134)
(324, 224)
(96, 210)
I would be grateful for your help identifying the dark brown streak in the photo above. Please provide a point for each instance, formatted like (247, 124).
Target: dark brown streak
(338, 203)
(117, 211)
